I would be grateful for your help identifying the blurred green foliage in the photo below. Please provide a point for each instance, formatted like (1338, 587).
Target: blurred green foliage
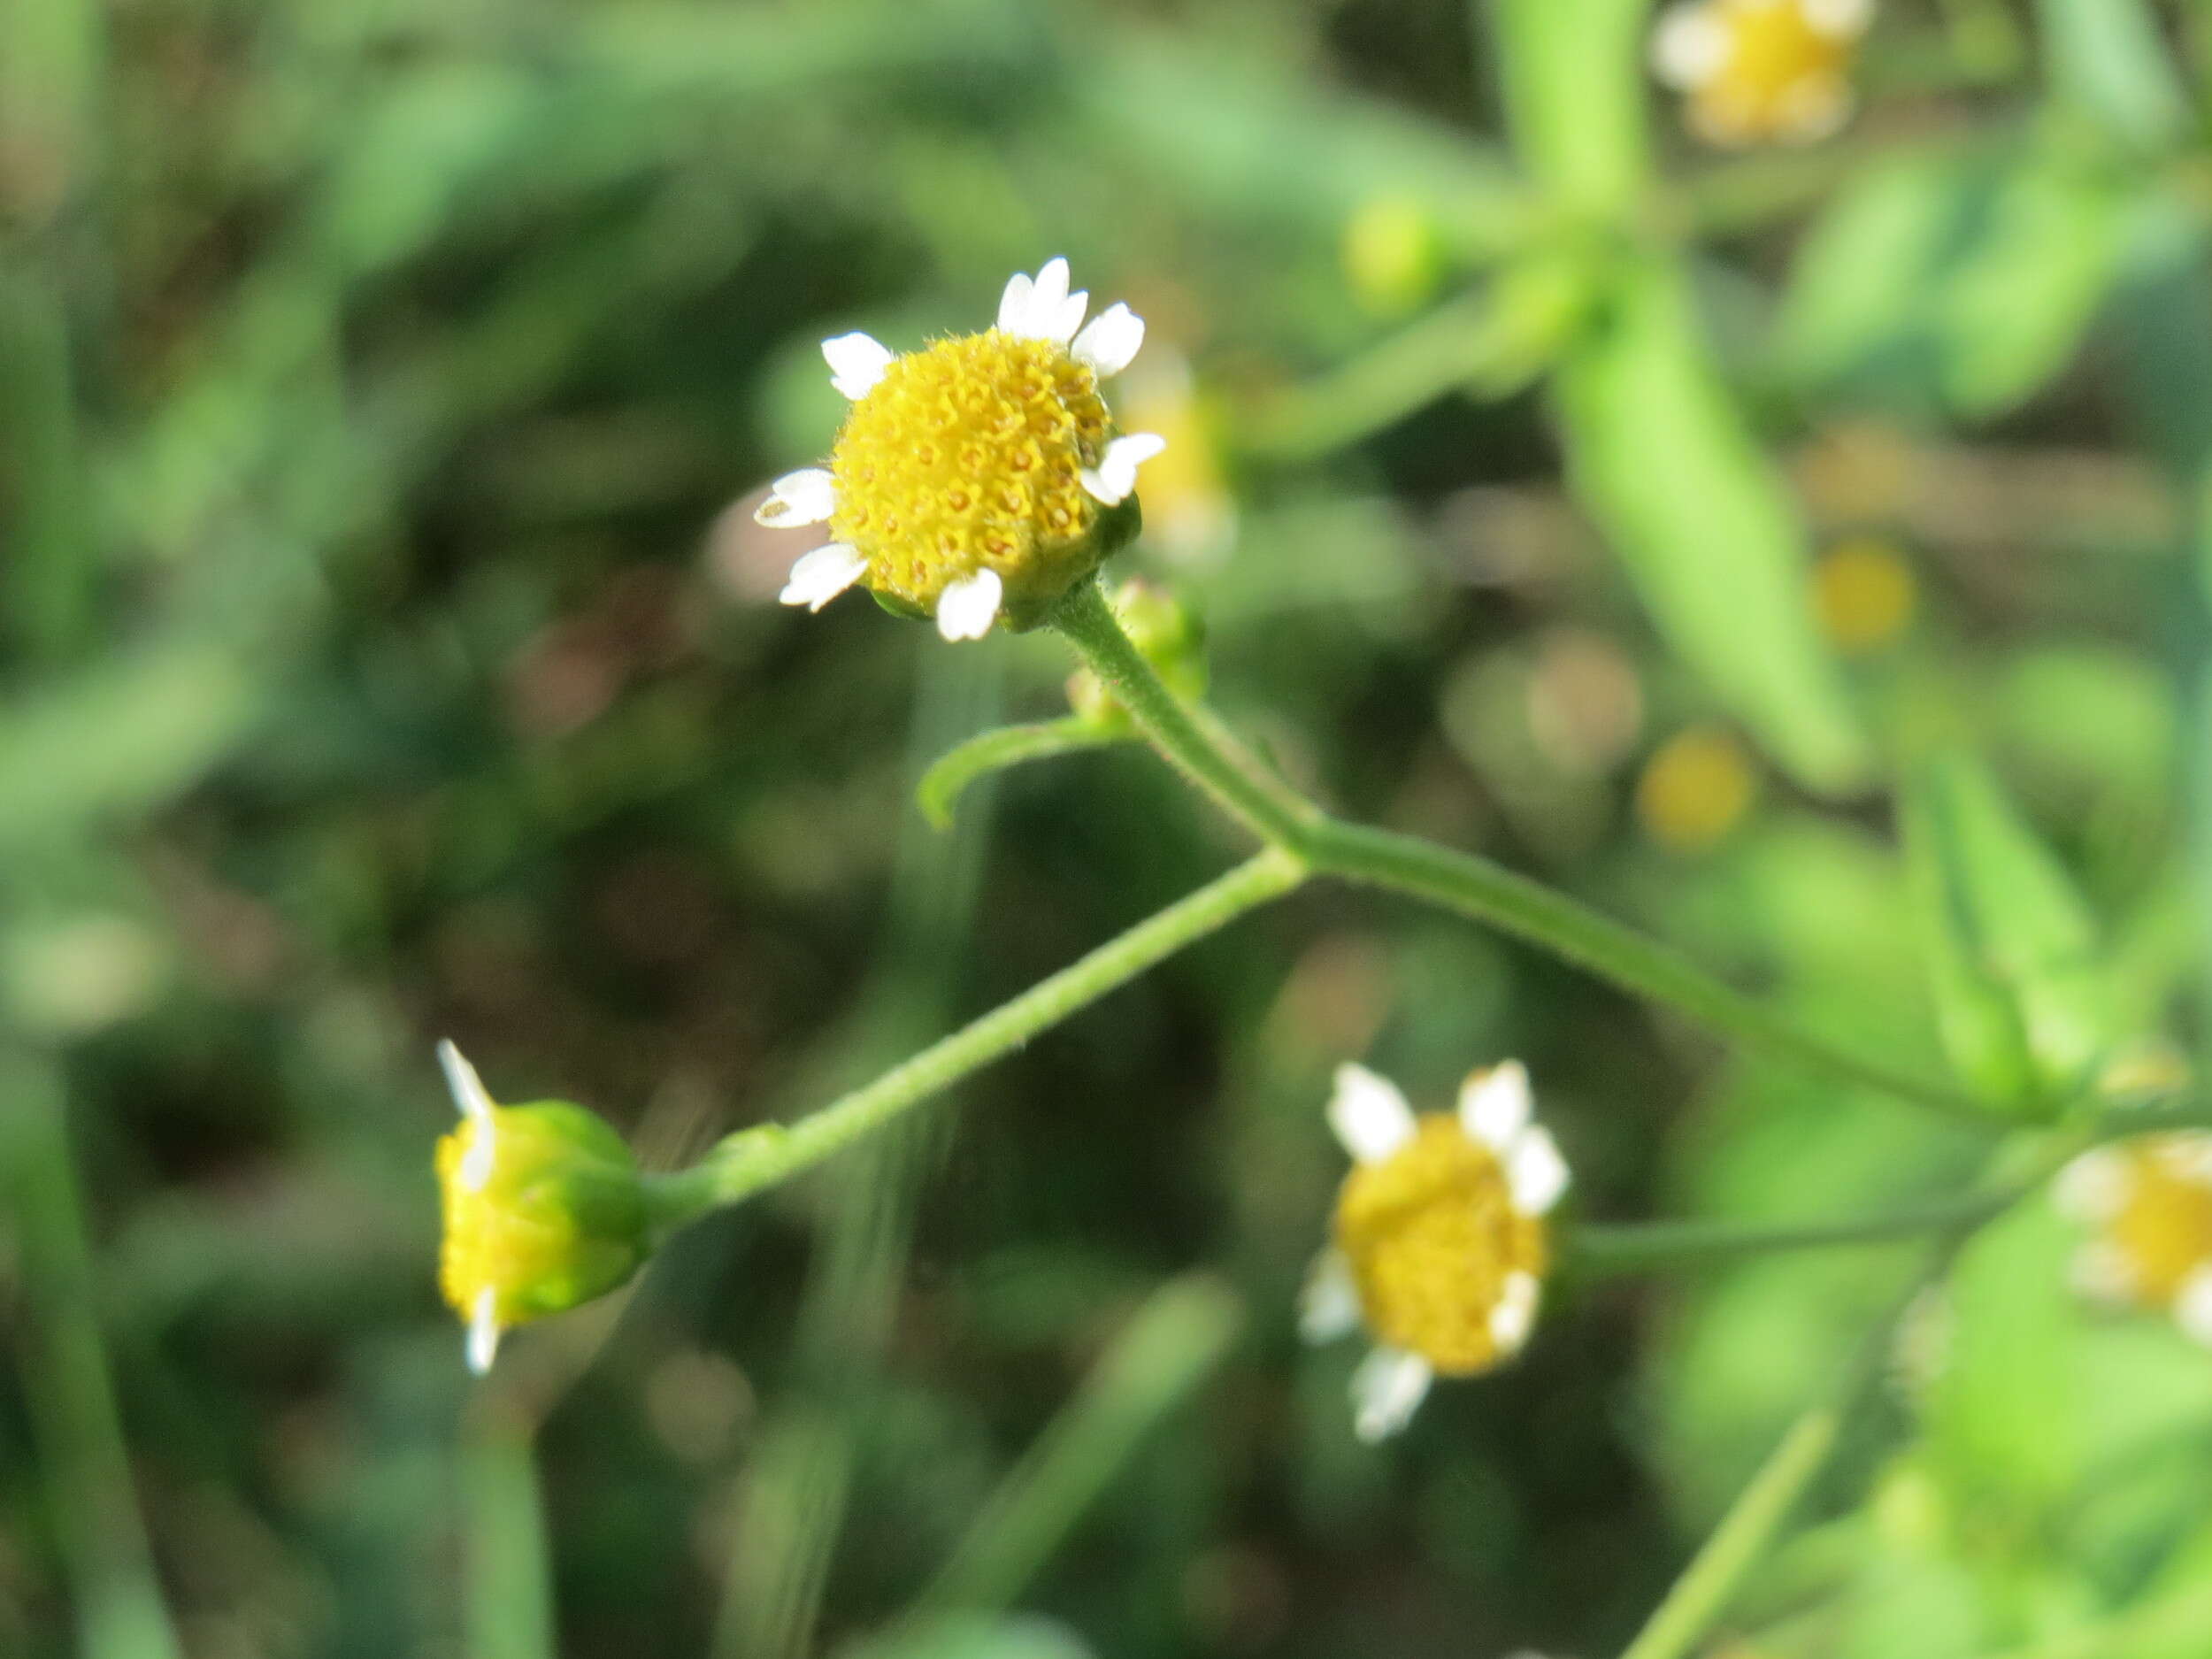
(389, 654)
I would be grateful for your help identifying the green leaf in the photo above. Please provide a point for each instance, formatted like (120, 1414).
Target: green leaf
(2108, 60)
(1659, 453)
(119, 739)
(2011, 951)
(950, 774)
(1962, 281)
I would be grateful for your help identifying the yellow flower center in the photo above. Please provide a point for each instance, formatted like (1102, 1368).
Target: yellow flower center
(2164, 1227)
(967, 456)
(1432, 1236)
(1782, 76)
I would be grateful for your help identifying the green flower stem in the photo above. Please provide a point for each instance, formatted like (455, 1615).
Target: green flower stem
(1685, 1616)
(1604, 1251)
(756, 1158)
(1006, 746)
(1475, 887)
(1489, 893)
(1263, 803)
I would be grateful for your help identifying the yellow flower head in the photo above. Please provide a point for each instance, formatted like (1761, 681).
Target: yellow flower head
(2149, 1204)
(1759, 71)
(545, 1208)
(1440, 1249)
(979, 478)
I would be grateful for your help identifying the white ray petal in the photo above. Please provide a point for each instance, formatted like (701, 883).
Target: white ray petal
(1494, 1105)
(475, 1104)
(2093, 1187)
(1386, 1389)
(1328, 1306)
(1048, 295)
(2102, 1272)
(2186, 1156)
(966, 610)
(1690, 47)
(1116, 474)
(1515, 1315)
(2192, 1306)
(1369, 1114)
(857, 362)
(806, 496)
(483, 1338)
(1110, 340)
(1062, 324)
(821, 576)
(1013, 304)
(1839, 19)
(1535, 1171)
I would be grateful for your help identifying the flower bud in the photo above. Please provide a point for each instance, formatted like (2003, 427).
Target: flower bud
(544, 1209)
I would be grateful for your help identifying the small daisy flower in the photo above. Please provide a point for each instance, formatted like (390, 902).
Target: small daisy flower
(2149, 1204)
(1761, 70)
(1440, 1243)
(545, 1208)
(980, 478)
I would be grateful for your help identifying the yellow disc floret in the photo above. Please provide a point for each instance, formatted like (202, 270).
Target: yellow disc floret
(1433, 1237)
(968, 456)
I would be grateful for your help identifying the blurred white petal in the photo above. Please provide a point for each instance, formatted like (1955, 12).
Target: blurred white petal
(1494, 1105)
(2192, 1306)
(483, 1338)
(1690, 47)
(1515, 1315)
(1369, 1115)
(1386, 1389)
(1535, 1171)
(1328, 1306)
(2093, 1187)
(475, 1104)
(1839, 19)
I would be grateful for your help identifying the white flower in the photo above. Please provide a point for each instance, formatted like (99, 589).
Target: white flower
(968, 480)
(2146, 1205)
(1440, 1246)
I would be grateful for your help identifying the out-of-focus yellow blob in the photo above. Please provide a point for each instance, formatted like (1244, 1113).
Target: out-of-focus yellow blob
(1695, 789)
(1390, 254)
(1865, 593)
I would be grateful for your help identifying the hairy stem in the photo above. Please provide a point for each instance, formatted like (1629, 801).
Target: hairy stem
(760, 1157)
(1439, 876)
(1264, 805)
